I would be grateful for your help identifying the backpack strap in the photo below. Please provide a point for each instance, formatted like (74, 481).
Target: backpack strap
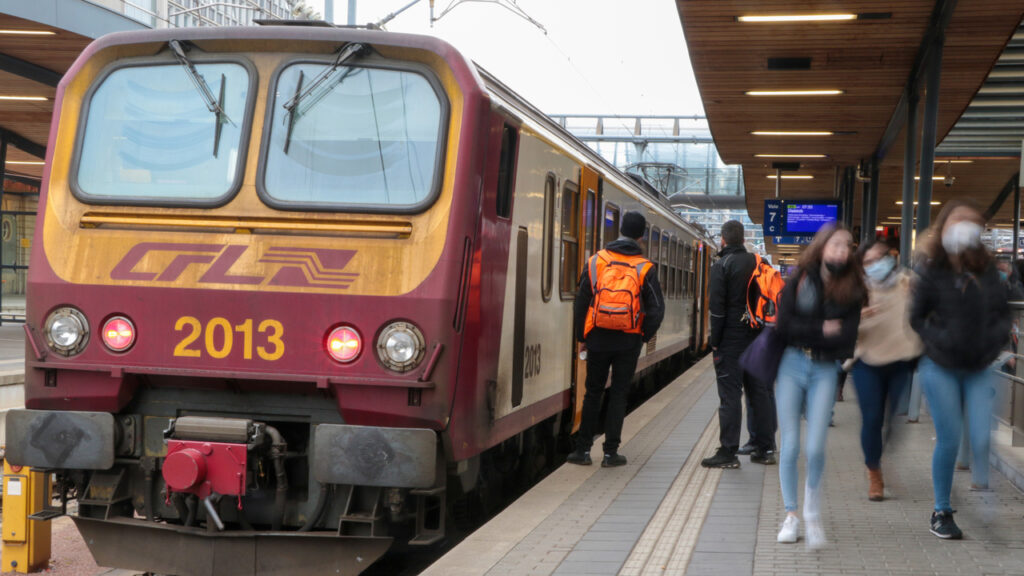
(593, 270)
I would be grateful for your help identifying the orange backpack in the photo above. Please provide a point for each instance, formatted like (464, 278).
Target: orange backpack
(617, 280)
(763, 290)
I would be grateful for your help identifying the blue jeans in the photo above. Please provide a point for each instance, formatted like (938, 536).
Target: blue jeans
(879, 389)
(803, 385)
(948, 392)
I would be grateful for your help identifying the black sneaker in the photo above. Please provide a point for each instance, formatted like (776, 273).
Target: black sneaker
(613, 460)
(579, 457)
(723, 458)
(746, 449)
(944, 527)
(766, 457)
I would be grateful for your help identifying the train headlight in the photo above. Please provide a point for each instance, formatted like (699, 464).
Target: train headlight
(344, 344)
(67, 331)
(400, 346)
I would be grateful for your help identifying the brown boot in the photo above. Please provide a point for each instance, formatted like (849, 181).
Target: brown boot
(876, 488)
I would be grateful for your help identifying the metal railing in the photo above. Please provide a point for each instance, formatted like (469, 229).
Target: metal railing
(1010, 389)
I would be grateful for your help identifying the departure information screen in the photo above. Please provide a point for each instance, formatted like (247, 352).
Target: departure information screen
(807, 218)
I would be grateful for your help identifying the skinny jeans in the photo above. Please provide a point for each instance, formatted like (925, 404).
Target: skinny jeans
(804, 386)
(948, 393)
(879, 389)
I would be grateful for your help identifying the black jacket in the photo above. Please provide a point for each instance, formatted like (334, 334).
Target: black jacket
(603, 340)
(804, 329)
(963, 319)
(727, 291)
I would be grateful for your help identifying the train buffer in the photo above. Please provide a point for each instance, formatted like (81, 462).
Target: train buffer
(664, 514)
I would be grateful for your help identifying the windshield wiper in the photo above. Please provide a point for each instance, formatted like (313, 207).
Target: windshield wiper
(318, 88)
(215, 105)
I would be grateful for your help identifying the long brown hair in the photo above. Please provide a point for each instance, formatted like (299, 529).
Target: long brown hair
(848, 286)
(976, 260)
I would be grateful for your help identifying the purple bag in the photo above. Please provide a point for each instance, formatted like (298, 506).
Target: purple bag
(761, 359)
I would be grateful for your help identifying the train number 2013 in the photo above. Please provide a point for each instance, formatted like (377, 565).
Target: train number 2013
(219, 338)
(532, 367)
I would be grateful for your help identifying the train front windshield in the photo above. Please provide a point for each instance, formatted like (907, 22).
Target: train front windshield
(353, 136)
(149, 134)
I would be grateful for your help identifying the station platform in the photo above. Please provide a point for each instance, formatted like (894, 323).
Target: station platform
(664, 514)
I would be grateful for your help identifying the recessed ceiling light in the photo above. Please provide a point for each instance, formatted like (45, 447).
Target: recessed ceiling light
(792, 177)
(791, 155)
(29, 98)
(783, 133)
(11, 32)
(793, 92)
(879, 228)
(798, 18)
(26, 162)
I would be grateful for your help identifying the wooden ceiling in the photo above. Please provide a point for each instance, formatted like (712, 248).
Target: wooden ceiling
(31, 119)
(868, 59)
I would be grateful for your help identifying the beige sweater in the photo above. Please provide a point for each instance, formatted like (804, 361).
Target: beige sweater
(885, 335)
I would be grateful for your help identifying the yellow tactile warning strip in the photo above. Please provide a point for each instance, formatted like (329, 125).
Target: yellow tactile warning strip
(668, 542)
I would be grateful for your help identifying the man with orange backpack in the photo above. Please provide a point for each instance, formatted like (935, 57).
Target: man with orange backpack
(735, 322)
(618, 307)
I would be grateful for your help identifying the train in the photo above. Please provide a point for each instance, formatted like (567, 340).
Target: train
(296, 289)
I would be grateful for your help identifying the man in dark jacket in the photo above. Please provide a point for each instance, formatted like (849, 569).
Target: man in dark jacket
(613, 350)
(730, 335)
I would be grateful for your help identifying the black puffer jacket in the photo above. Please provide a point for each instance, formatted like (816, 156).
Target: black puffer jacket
(963, 319)
(802, 328)
(727, 291)
(603, 340)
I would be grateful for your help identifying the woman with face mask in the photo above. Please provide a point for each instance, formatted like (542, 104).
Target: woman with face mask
(886, 354)
(819, 312)
(960, 311)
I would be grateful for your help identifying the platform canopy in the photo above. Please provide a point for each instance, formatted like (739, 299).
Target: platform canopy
(824, 84)
(39, 40)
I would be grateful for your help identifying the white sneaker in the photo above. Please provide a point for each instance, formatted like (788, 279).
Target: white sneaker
(790, 530)
(815, 534)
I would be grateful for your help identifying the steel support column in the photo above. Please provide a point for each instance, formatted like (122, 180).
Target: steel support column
(931, 117)
(909, 164)
(1016, 220)
(866, 228)
(873, 196)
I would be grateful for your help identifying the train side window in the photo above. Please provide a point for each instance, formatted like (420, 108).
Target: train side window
(680, 266)
(674, 280)
(507, 170)
(666, 288)
(611, 223)
(570, 228)
(665, 262)
(691, 266)
(547, 255)
(654, 252)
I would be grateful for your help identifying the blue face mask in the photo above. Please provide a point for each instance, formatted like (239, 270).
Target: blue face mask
(880, 269)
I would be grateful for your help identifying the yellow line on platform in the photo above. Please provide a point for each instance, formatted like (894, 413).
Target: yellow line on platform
(668, 541)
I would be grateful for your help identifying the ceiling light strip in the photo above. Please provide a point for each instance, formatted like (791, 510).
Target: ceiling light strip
(790, 155)
(792, 177)
(11, 32)
(797, 18)
(829, 92)
(785, 133)
(26, 98)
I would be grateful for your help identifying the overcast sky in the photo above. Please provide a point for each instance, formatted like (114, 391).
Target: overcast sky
(598, 56)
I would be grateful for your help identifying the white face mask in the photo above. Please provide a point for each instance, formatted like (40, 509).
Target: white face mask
(962, 236)
(880, 269)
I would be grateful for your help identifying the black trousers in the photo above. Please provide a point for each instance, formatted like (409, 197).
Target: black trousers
(732, 384)
(622, 364)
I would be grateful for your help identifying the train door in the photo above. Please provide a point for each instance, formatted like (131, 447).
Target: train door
(590, 220)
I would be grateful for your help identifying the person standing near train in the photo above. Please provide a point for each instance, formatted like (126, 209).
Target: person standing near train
(819, 314)
(731, 333)
(615, 279)
(961, 312)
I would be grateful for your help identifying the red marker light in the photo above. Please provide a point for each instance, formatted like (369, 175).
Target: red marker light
(344, 344)
(118, 334)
